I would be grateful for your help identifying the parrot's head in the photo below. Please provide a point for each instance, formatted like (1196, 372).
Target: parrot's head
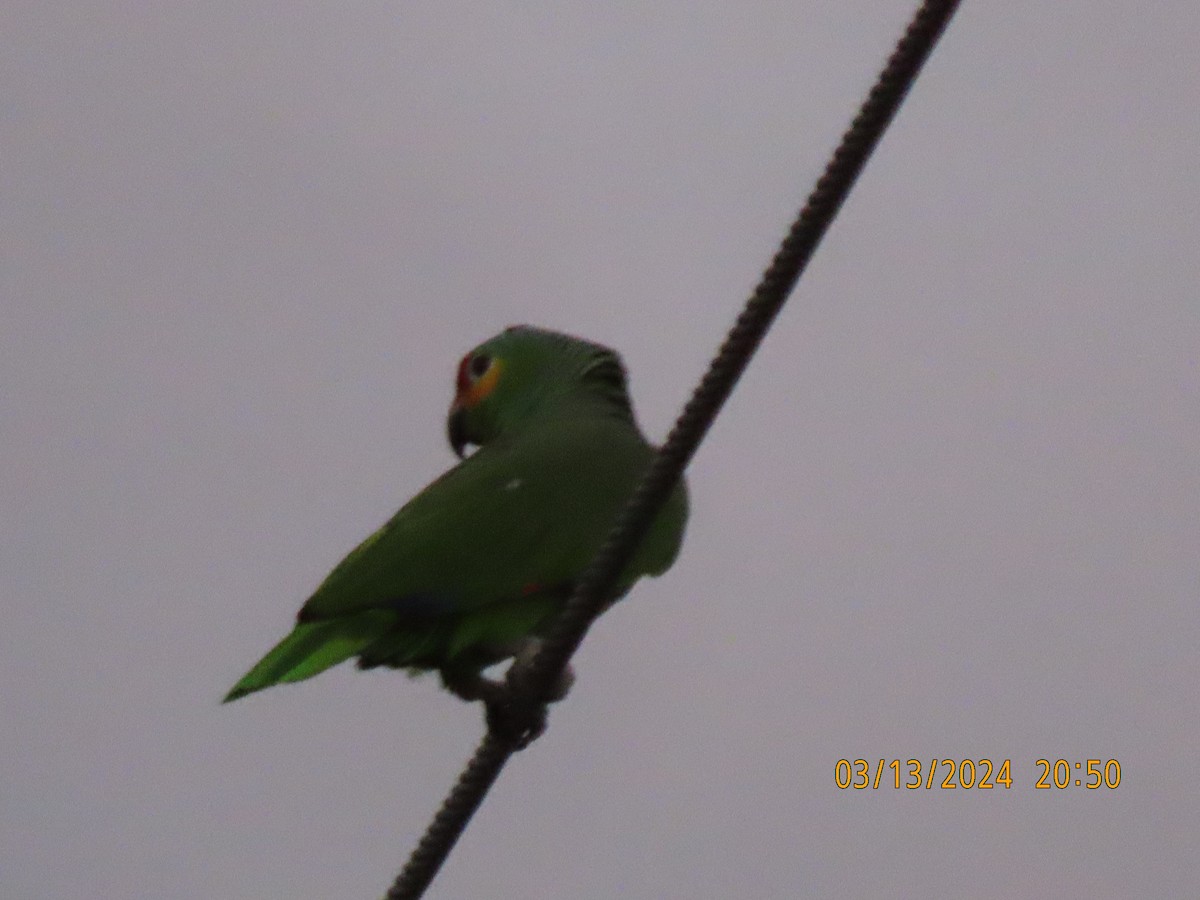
(524, 373)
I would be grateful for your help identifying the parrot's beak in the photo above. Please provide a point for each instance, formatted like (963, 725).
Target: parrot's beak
(456, 429)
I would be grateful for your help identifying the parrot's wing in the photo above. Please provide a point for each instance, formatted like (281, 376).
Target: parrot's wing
(514, 518)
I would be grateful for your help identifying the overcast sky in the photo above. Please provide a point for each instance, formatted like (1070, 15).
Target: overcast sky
(952, 511)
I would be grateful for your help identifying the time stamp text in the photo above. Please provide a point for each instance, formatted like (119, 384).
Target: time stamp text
(974, 774)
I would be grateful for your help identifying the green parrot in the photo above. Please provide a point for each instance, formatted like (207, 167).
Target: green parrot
(470, 570)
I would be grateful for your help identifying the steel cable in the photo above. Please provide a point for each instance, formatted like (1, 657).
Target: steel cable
(529, 684)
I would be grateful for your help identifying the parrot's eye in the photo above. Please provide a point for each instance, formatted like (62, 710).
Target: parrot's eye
(479, 365)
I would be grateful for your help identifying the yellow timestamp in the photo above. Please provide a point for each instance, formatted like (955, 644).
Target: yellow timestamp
(1060, 774)
(971, 774)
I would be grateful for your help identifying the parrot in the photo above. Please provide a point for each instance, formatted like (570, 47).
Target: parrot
(470, 571)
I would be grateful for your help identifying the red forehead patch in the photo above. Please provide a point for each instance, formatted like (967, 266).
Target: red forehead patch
(463, 381)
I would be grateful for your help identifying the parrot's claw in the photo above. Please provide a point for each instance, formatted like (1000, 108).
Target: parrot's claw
(510, 715)
(524, 659)
(562, 686)
(518, 723)
(471, 686)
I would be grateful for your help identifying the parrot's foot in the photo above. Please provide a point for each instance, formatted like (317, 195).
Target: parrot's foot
(512, 715)
(515, 720)
(524, 658)
(470, 685)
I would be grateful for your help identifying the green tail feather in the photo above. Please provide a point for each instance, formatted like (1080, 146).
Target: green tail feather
(310, 649)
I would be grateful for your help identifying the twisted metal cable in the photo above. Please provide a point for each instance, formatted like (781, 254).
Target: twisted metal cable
(451, 820)
(529, 684)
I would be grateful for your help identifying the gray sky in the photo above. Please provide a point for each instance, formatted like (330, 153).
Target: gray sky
(952, 511)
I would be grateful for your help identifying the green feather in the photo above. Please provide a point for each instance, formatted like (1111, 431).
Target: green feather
(310, 649)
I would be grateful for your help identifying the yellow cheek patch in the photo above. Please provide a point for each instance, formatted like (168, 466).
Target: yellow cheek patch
(481, 389)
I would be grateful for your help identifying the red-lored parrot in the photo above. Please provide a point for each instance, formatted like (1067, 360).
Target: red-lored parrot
(469, 571)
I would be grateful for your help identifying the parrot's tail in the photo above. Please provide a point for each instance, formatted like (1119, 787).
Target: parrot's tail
(310, 649)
